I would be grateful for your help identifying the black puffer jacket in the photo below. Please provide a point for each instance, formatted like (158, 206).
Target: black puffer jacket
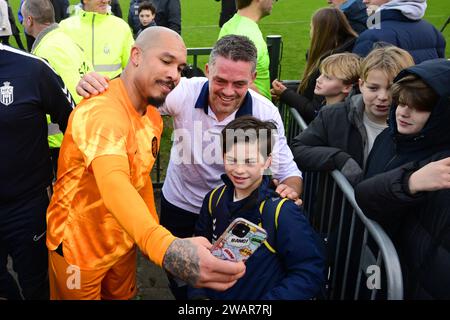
(333, 137)
(418, 224)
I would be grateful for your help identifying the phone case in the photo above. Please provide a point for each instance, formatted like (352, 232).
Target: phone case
(234, 245)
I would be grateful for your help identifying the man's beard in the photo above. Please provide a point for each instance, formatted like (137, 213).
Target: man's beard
(159, 101)
(156, 101)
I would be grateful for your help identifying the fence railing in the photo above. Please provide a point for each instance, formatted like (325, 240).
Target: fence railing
(358, 247)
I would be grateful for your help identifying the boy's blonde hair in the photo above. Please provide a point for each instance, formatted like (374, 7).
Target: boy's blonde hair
(344, 66)
(390, 60)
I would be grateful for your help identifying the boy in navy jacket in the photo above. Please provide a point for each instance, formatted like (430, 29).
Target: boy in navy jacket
(290, 264)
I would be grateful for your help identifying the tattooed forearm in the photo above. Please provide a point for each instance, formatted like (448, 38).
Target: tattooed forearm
(181, 260)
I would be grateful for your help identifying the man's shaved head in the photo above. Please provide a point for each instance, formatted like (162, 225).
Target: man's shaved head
(155, 36)
(157, 59)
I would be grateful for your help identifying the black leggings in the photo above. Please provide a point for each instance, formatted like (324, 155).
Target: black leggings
(22, 237)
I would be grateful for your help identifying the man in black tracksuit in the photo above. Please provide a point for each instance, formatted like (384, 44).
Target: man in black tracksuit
(29, 89)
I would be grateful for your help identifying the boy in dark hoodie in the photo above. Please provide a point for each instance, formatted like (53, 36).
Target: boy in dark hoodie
(290, 264)
(412, 200)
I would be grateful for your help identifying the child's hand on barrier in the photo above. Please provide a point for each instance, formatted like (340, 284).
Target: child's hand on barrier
(277, 89)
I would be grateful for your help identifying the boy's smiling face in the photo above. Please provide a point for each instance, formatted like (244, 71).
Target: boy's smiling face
(245, 165)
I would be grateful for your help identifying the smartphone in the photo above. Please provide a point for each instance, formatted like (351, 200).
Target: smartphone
(239, 241)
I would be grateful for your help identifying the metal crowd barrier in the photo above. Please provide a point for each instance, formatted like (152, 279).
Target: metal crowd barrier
(358, 248)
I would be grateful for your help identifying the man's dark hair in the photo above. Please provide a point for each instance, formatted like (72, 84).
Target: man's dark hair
(236, 48)
(146, 5)
(249, 129)
(415, 93)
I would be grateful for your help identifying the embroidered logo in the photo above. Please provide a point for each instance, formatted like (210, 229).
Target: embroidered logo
(106, 49)
(6, 94)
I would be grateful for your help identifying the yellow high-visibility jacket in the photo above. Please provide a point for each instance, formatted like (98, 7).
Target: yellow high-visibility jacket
(69, 62)
(106, 40)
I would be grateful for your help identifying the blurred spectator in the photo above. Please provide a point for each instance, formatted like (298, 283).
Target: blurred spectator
(330, 33)
(113, 8)
(5, 25)
(355, 11)
(227, 12)
(61, 8)
(116, 9)
(245, 23)
(14, 29)
(399, 22)
(147, 12)
(168, 14)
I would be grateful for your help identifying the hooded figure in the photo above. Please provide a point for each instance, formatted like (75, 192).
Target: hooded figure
(392, 149)
(418, 223)
(399, 22)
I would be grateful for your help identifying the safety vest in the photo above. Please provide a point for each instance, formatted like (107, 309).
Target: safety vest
(106, 40)
(68, 60)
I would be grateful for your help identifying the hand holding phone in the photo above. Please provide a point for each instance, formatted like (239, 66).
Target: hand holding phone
(239, 241)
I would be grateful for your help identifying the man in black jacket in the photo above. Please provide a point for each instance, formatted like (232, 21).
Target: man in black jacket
(29, 88)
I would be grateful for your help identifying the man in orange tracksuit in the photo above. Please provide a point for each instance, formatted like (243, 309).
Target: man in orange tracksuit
(103, 198)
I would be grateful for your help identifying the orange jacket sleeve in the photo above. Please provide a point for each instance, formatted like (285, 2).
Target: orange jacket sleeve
(112, 174)
(147, 194)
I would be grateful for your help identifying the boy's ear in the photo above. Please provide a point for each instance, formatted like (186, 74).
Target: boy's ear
(347, 88)
(360, 83)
